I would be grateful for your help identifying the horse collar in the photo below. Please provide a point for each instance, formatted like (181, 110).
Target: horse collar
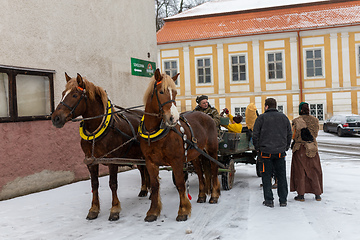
(155, 135)
(101, 130)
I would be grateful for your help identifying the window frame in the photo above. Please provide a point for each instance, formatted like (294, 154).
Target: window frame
(211, 71)
(267, 65)
(240, 111)
(322, 62)
(316, 115)
(357, 59)
(177, 82)
(12, 72)
(246, 68)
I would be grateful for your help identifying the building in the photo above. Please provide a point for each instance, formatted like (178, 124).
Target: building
(41, 40)
(307, 51)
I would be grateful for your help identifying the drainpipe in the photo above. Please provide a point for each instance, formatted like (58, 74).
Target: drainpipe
(299, 66)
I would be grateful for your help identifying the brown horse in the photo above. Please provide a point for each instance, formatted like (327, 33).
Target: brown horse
(110, 135)
(170, 149)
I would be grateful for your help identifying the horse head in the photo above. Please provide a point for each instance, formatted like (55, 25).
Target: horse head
(73, 102)
(161, 97)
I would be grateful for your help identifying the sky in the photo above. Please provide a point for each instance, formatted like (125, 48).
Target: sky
(60, 213)
(219, 6)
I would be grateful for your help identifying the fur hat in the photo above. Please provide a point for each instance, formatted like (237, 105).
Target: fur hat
(200, 98)
(238, 118)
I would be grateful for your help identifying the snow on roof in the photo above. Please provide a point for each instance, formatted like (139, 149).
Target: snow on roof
(224, 6)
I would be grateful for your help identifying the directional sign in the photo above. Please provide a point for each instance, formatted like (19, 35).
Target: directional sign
(142, 68)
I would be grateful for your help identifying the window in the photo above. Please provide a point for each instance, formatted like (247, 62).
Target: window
(240, 111)
(314, 63)
(358, 58)
(317, 110)
(280, 108)
(25, 94)
(204, 70)
(275, 65)
(171, 69)
(238, 68)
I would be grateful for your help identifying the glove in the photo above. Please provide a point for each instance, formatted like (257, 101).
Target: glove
(226, 110)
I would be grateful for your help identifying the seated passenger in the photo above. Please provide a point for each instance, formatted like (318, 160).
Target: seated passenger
(205, 107)
(235, 125)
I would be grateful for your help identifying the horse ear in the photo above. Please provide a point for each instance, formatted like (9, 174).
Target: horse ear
(157, 75)
(67, 77)
(80, 81)
(175, 77)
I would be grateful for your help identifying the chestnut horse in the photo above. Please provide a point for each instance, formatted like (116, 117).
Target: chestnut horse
(171, 150)
(106, 135)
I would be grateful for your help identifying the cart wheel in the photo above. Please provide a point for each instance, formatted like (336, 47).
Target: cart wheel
(258, 168)
(186, 176)
(227, 178)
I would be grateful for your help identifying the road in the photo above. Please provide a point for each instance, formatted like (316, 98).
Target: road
(344, 146)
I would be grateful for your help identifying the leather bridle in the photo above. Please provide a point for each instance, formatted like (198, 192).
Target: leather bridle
(83, 96)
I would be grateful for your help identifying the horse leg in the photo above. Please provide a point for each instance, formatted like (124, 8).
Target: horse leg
(215, 190)
(199, 171)
(145, 181)
(185, 205)
(95, 204)
(155, 207)
(113, 184)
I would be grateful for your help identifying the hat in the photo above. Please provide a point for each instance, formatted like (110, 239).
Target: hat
(301, 104)
(200, 98)
(238, 119)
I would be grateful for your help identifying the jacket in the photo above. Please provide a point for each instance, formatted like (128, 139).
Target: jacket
(233, 127)
(212, 112)
(312, 123)
(250, 116)
(272, 132)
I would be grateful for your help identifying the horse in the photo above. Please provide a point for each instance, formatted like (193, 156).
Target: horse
(172, 147)
(103, 133)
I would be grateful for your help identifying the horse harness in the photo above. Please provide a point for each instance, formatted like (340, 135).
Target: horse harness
(106, 124)
(163, 130)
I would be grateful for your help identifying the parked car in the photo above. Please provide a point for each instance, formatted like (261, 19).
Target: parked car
(343, 124)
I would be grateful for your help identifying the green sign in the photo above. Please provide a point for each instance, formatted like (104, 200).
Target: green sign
(142, 68)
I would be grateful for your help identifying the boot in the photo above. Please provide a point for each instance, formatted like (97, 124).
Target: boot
(317, 198)
(300, 198)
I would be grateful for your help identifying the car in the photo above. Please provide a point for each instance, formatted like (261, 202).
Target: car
(343, 124)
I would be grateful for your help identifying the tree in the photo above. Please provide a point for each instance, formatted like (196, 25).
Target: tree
(167, 8)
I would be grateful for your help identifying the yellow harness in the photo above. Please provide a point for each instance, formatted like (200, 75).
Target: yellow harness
(103, 126)
(154, 136)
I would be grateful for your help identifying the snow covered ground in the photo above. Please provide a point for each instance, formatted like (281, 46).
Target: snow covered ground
(60, 213)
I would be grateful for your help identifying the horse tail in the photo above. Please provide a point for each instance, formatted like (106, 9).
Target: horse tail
(206, 166)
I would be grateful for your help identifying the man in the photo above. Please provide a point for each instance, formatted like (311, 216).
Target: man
(272, 137)
(204, 106)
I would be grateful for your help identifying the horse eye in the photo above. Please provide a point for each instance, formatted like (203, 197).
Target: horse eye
(75, 95)
(161, 92)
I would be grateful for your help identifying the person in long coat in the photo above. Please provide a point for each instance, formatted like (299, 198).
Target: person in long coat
(306, 172)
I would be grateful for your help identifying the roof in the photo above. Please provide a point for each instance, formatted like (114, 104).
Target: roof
(225, 6)
(314, 15)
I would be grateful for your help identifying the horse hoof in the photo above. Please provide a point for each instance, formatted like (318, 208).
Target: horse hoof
(142, 193)
(92, 215)
(114, 217)
(213, 200)
(150, 218)
(181, 218)
(201, 200)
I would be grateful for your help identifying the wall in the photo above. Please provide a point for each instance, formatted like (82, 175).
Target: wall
(94, 38)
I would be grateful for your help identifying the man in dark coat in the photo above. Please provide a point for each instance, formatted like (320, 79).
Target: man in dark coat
(272, 137)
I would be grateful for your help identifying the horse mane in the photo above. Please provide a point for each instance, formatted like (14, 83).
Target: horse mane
(91, 89)
(166, 81)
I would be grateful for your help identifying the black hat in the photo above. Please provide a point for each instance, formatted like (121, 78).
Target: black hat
(200, 98)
